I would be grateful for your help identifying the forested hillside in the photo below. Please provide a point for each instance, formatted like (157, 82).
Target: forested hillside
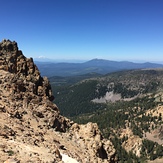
(127, 106)
(94, 93)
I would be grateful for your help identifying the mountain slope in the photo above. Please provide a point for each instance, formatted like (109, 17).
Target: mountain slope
(31, 127)
(127, 106)
(92, 93)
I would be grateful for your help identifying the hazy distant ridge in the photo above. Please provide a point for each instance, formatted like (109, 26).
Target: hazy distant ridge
(95, 65)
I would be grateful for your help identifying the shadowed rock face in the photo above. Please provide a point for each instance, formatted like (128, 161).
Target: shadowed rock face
(31, 127)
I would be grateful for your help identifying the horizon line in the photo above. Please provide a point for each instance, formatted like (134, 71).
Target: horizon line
(52, 60)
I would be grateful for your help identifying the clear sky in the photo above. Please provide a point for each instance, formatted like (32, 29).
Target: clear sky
(85, 29)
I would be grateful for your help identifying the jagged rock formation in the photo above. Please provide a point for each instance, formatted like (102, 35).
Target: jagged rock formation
(89, 136)
(12, 60)
(31, 127)
(133, 143)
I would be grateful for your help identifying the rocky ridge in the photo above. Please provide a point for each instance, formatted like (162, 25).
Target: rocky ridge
(31, 127)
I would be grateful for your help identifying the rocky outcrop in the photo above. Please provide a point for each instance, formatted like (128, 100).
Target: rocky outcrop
(133, 143)
(31, 127)
(89, 137)
(26, 74)
(22, 82)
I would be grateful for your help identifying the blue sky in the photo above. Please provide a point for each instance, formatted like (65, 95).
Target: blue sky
(85, 29)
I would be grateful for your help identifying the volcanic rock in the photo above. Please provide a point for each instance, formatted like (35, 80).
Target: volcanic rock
(31, 127)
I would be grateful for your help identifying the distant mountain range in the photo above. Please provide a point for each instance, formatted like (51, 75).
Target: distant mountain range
(99, 66)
